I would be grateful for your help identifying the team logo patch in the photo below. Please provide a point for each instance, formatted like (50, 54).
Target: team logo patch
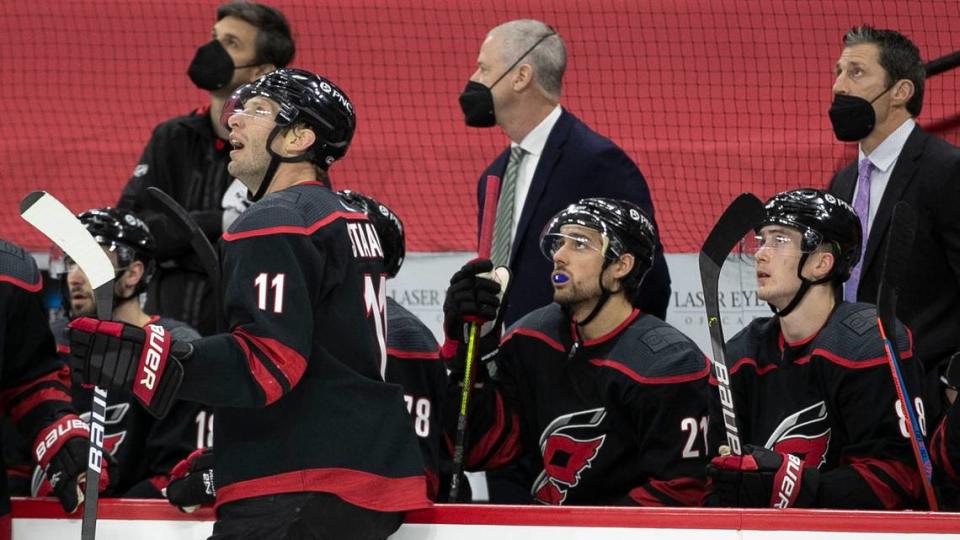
(805, 434)
(566, 457)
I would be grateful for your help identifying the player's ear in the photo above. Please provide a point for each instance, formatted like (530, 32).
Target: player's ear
(623, 265)
(261, 70)
(300, 138)
(134, 273)
(823, 262)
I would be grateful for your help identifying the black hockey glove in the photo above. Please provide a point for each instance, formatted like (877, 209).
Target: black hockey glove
(761, 478)
(61, 451)
(119, 356)
(470, 298)
(191, 481)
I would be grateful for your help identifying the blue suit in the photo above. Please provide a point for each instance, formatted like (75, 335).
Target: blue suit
(576, 163)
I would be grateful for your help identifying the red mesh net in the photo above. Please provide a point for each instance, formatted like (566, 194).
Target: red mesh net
(710, 97)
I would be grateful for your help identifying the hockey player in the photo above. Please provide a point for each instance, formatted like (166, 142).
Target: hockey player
(413, 356)
(144, 447)
(309, 439)
(816, 407)
(35, 386)
(609, 402)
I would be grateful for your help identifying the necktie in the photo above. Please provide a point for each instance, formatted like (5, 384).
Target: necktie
(861, 204)
(503, 225)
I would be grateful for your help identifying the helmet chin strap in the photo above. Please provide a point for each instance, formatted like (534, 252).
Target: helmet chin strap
(275, 161)
(604, 296)
(802, 291)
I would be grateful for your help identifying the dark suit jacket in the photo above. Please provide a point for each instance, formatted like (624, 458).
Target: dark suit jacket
(926, 175)
(576, 163)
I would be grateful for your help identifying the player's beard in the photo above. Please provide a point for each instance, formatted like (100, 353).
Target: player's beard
(250, 167)
(83, 307)
(577, 296)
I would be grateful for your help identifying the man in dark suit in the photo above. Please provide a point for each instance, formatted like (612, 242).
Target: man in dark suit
(559, 160)
(553, 160)
(877, 94)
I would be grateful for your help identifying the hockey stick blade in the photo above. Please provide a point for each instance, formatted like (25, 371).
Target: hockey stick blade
(206, 253)
(49, 216)
(743, 214)
(484, 243)
(903, 227)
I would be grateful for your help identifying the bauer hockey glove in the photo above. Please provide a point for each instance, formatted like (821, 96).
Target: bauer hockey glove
(61, 451)
(191, 481)
(761, 478)
(119, 356)
(474, 296)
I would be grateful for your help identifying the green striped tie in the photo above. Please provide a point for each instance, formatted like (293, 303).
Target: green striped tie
(503, 226)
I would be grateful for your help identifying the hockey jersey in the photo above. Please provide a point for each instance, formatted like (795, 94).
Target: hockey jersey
(829, 400)
(413, 362)
(620, 419)
(145, 448)
(34, 383)
(297, 384)
(945, 454)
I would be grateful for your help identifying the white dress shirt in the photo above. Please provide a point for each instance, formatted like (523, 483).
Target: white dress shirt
(533, 144)
(884, 158)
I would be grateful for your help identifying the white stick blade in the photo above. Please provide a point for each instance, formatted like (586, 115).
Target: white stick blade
(57, 222)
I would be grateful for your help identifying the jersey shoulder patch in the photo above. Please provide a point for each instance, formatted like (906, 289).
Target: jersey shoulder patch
(406, 333)
(547, 324)
(747, 342)
(852, 334)
(299, 209)
(656, 352)
(18, 268)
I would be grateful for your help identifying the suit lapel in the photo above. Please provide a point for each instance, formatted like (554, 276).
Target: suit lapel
(552, 151)
(903, 173)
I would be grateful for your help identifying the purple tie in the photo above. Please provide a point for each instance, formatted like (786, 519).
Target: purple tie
(861, 204)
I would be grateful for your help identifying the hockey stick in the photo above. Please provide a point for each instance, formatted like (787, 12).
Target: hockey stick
(490, 197)
(56, 222)
(743, 214)
(942, 64)
(903, 226)
(201, 245)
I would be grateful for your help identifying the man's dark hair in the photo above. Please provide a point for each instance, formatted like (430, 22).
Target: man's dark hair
(899, 57)
(274, 44)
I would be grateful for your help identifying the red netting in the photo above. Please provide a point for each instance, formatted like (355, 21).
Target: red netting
(709, 97)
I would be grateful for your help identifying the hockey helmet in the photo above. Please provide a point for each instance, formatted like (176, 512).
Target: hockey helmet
(387, 224)
(125, 234)
(623, 226)
(303, 97)
(822, 220)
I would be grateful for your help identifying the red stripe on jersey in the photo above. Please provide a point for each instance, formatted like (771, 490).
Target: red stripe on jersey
(264, 379)
(939, 453)
(751, 362)
(687, 491)
(907, 477)
(60, 377)
(31, 287)
(506, 451)
(363, 489)
(414, 355)
(293, 229)
(290, 362)
(536, 335)
(846, 362)
(589, 342)
(654, 380)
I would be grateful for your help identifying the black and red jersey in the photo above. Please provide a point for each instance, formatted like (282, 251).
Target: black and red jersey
(145, 448)
(829, 400)
(620, 419)
(945, 454)
(413, 362)
(34, 382)
(297, 383)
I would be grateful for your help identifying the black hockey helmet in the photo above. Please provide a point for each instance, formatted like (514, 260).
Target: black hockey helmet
(624, 228)
(387, 224)
(823, 220)
(125, 234)
(303, 97)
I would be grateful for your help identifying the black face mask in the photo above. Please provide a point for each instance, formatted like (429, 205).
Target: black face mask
(853, 117)
(476, 100)
(212, 67)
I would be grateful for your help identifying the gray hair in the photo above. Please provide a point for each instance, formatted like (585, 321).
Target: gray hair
(549, 58)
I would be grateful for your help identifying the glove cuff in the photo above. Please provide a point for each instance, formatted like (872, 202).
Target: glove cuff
(794, 485)
(159, 372)
(52, 438)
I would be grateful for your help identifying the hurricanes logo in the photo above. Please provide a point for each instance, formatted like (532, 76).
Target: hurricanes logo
(566, 457)
(805, 434)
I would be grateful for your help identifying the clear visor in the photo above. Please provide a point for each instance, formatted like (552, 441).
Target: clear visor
(551, 243)
(779, 241)
(251, 104)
